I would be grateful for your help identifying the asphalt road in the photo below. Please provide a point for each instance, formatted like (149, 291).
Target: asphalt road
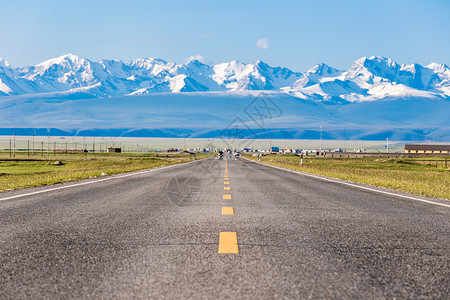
(156, 234)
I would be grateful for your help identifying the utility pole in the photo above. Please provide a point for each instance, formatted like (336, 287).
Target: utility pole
(32, 150)
(270, 144)
(42, 148)
(93, 145)
(48, 145)
(387, 145)
(28, 148)
(345, 133)
(10, 148)
(14, 136)
(320, 148)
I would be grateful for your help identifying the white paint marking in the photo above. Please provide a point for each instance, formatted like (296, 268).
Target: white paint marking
(99, 180)
(351, 184)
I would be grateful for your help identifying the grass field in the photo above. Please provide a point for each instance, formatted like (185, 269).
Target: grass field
(418, 176)
(27, 171)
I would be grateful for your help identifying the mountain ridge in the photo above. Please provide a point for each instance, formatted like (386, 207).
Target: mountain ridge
(367, 79)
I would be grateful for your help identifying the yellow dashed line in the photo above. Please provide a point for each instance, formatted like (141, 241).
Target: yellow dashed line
(228, 242)
(227, 211)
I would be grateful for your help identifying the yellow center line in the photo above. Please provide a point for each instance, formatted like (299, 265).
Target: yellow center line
(226, 188)
(227, 211)
(226, 182)
(228, 242)
(227, 197)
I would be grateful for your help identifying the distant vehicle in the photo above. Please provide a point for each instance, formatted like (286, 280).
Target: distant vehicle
(220, 154)
(275, 150)
(237, 153)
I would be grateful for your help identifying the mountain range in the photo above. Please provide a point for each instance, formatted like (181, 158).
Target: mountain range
(368, 79)
(375, 99)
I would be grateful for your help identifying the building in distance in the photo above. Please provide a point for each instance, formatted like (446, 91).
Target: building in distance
(427, 148)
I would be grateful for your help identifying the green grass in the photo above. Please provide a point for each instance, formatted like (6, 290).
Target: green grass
(415, 176)
(27, 171)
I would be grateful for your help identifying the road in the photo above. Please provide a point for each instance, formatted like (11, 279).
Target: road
(220, 228)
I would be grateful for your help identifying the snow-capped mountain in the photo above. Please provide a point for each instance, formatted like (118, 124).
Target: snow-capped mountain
(373, 78)
(237, 76)
(366, 80)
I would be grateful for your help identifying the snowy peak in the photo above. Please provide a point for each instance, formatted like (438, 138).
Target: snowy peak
(323, 70)
(438, 68)
(68, 61)
(151, 64)
(65, 72)
(314, 75)
(238, 76)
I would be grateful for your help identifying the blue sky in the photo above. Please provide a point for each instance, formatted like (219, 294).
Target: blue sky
(298, 34)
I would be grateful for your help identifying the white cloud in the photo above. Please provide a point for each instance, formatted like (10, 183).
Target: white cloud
(198, 57)
(263, 44)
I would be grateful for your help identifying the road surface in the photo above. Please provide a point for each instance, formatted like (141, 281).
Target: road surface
(221, 228)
